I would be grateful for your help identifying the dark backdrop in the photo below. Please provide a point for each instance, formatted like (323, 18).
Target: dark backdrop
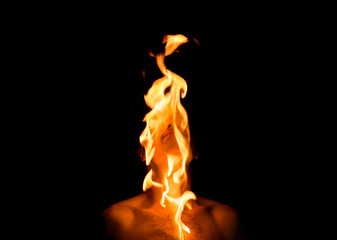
(237, 95)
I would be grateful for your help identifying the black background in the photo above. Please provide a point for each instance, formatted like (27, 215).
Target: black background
(239, 102)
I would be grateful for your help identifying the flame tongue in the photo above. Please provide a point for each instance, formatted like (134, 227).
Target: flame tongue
(164, 100)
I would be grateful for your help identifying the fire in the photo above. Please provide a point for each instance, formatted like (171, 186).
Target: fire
(168, 118)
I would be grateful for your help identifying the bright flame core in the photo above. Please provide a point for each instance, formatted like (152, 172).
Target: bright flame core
(166, 110)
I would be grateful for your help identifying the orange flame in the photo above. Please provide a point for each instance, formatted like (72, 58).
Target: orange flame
(168, 116)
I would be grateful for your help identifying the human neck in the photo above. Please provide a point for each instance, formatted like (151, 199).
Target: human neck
(174, 189)
(155, 195)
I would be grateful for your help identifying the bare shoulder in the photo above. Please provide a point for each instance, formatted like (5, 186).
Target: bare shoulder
(219, 211)
(118, 218)
(225, 217)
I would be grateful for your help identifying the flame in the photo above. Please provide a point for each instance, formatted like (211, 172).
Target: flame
(168, 114)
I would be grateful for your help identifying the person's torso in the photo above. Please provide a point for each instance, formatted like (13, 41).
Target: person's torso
(149, 225)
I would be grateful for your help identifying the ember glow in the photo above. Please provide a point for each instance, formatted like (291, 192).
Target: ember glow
(167, 123)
